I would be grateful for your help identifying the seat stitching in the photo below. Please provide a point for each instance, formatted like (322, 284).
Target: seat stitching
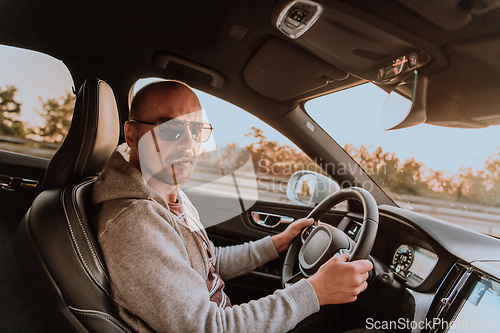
(94, 254)
(78, 248)
(99, 314)
(93, 129)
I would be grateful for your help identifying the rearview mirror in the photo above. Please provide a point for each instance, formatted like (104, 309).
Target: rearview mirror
(398, 111)
(310, 188)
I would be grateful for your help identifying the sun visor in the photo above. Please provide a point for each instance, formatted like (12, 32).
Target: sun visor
(282, 71)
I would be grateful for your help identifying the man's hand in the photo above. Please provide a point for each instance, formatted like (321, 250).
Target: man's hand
(338, 281)
(282, 241)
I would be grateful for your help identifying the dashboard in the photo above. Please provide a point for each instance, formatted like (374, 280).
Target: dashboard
(411, 261)
(450, 275)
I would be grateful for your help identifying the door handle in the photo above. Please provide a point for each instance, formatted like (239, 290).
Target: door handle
(10, 183)
(269, 220)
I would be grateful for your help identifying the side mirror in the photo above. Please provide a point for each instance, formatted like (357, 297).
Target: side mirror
(398, 111)
(310, 188)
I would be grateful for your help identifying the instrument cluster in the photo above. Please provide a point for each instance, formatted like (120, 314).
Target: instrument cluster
(413, 263)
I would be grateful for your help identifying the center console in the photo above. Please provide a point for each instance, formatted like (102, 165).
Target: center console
(469, 300)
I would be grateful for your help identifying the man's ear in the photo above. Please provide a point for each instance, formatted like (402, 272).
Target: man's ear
(131, 135)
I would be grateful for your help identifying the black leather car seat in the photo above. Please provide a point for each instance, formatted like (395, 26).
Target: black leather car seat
(55, 245)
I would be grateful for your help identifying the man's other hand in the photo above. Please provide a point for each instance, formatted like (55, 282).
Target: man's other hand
(282, 241)
(338, 281)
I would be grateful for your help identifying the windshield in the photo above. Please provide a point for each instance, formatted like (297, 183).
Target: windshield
(451, 173)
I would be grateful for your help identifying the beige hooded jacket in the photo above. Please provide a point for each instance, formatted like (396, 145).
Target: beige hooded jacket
(158, 266)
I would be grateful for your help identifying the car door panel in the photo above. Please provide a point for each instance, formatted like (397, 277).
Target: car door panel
(266, 279)
(18, 175)
(244, 228)
(20, 182)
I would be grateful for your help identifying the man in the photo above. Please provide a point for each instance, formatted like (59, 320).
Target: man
(165, 274)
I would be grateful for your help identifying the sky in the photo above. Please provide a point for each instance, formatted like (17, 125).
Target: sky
(30, 72)
(437, 147)
(343, 115)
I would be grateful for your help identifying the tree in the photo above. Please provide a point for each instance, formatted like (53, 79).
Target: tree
(9, 110)
(414, 178)
(274, 162)
(383, 167)
(57, 114)
(492, 178)
(272, 159)
(492, 166)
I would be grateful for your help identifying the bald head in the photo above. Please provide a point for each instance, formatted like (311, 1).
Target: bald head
(171, 96)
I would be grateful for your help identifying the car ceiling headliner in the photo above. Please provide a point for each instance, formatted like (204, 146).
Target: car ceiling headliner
(118, 41)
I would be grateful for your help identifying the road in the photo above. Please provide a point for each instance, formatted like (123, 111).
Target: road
(480, 218)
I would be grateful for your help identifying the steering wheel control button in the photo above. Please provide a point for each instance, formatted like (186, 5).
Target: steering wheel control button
(353, 229)
(323, 242)
(306, 232)
(343, 251)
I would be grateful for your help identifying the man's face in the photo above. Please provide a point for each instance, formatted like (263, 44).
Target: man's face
(168, 152)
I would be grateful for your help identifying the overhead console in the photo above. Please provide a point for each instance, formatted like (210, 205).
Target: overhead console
(399, 68)
(460, 74)
(298, 16)
(348, 41)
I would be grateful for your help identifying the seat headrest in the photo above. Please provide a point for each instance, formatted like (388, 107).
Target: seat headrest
(92, 137)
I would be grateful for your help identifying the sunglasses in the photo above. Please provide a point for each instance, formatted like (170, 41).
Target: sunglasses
(172, 129)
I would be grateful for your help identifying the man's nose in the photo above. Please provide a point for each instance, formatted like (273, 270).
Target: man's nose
(186, 140)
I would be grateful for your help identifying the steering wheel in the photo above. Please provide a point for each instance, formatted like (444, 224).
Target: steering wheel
(318, 243)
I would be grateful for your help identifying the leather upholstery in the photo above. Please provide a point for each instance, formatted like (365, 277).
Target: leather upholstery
(91, 139)
(55, 245)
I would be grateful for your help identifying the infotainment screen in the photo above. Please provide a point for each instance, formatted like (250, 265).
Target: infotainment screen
(481, 311)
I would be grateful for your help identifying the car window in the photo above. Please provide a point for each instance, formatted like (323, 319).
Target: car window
(275, 158)
(451, 173)
(36, 102)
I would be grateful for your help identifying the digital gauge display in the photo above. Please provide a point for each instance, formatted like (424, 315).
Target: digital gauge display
(402, 259)
(413, 263)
